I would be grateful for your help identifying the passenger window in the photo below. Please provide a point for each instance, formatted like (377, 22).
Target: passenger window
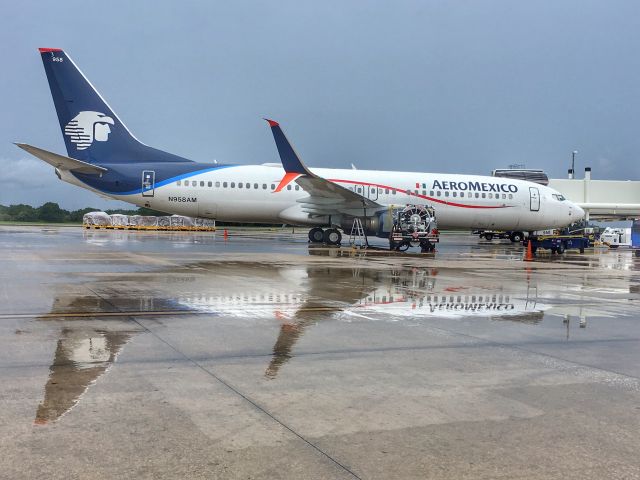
(510, 195)
(217, 184)
(491, 195)
(446, 194)
(393, 191)
(264, 186)
(504, 196)
(297, 187)
(455, 194)
(484, 195)
(239, 185)
(359, 189)
(386, 191)
(439, 193)
(424, 185)
(288, 187)
(273, 186)
(416, 191)
(210, 184)
(431, 193)
(424, 192)
(233, 185)
(202, 184)
(255, 185)
(224, 184)
(247, 185)
(179, 182)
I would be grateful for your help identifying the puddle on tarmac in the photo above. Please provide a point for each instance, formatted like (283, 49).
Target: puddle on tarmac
(296, 297)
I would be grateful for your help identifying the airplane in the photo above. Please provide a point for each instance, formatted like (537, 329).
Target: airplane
(105, 157)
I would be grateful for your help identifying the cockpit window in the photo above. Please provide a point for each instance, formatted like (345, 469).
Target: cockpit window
(559, 197)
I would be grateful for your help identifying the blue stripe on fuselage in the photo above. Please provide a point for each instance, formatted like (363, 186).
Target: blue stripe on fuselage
(126, 179)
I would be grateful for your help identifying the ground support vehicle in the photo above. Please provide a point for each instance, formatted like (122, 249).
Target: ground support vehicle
(616, 237)
(515, 237)
(558, 243)
(414, 226)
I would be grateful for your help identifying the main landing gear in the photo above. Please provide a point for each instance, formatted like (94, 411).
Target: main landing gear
(330, 236)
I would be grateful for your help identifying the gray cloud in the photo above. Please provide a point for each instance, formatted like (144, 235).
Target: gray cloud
(429, 85)
(30, 181)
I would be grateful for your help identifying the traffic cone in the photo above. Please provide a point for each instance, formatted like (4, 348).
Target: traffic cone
(225, 234)
(529, 255)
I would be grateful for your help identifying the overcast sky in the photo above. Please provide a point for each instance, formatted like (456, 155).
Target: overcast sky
(432, 86)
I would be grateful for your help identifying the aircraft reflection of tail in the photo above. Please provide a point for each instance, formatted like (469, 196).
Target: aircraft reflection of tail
(81, 357)
(85, 350)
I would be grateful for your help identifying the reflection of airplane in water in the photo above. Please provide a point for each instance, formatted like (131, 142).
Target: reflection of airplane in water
(86, 349)
(412, 293)
(296, 296)
(81, 357)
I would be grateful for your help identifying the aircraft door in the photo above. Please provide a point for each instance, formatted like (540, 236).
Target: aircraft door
(148, 183)
(372, 192)
(534, 194)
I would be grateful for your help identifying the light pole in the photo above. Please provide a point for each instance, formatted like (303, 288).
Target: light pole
(573, 163)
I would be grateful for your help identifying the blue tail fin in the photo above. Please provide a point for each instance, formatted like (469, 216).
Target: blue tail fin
(92, 131)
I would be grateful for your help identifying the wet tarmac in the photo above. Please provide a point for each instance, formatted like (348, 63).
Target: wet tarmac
(182, 355)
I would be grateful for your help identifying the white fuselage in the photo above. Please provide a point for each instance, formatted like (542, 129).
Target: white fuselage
(246, 193)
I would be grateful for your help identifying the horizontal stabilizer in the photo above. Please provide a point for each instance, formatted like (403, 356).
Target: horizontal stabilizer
(60, 161)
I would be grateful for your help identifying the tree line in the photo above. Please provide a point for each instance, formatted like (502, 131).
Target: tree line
(51, 212)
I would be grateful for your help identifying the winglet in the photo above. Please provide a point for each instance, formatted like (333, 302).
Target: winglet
(288, 156)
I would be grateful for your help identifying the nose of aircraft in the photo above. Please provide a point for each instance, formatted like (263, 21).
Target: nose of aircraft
(578, 212)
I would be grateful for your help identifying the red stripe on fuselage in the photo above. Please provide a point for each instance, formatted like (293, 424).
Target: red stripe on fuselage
(410, 193)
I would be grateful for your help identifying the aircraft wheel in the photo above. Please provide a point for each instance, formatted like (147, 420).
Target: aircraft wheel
(560, 249)
(316, 235)
(488, 236)
(554, 250)
(516, 237)
(332, 236)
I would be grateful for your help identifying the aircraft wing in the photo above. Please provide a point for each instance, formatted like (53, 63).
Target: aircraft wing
(325, 197)
(60, 161)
